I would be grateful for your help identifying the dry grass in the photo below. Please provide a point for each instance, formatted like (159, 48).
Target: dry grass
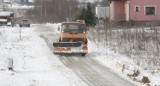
(142, 44)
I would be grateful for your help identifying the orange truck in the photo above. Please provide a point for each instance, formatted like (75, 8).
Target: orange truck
(72, 39)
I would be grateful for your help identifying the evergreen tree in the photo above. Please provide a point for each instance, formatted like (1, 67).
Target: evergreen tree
(87, 15)
(83, 14)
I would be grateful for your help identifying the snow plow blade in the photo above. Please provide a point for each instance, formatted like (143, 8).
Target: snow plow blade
(64, 44)
(70, 48)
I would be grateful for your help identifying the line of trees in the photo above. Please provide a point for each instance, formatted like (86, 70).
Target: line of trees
(59, 10)
(53, 10)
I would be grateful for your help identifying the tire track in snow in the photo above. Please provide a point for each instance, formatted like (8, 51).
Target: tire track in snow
(93, 73)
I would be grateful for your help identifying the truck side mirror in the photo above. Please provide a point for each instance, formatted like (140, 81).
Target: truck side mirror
(58, 28)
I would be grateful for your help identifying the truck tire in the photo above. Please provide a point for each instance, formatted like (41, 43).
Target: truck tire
(59, 40)
(83, 54)
(86, 41)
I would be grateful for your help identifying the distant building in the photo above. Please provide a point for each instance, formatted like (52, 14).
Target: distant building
(8, 1)
(102, 12)
(135, 10)
(27, 2)
(6, 16)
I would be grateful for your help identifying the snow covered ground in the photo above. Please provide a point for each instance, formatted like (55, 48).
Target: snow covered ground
(110, 57)
(34, 64)
(115, 61)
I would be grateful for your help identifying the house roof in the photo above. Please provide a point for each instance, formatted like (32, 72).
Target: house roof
(4, 14)
(7, 0)
(3, 20)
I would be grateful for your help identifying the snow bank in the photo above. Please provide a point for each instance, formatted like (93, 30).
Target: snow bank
(34, 64)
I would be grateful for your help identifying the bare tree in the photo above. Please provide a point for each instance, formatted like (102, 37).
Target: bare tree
(53, 10)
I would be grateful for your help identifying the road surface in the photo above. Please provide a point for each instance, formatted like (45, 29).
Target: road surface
(88, 69)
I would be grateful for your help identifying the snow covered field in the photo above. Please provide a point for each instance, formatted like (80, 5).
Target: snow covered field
(109, 55)
(34, 64)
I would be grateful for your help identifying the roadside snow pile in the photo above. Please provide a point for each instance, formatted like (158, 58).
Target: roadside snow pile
(33, 62)
(54, 26)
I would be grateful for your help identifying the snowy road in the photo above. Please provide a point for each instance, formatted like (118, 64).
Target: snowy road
(93, 73)
(89, 70)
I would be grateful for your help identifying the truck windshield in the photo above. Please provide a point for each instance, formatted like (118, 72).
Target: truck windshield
(73, 28)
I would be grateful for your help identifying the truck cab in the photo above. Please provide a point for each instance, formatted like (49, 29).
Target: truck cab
(72, 38)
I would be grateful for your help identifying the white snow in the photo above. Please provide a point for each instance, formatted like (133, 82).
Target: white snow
(34, 63)
(108, 56)
(5, 13)
(3, 20)
(30, 1)
(18, 6)
(7, 1)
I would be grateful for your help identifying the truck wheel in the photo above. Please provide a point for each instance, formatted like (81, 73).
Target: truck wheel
(86, 42)
(59, 40)
(83, 54)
